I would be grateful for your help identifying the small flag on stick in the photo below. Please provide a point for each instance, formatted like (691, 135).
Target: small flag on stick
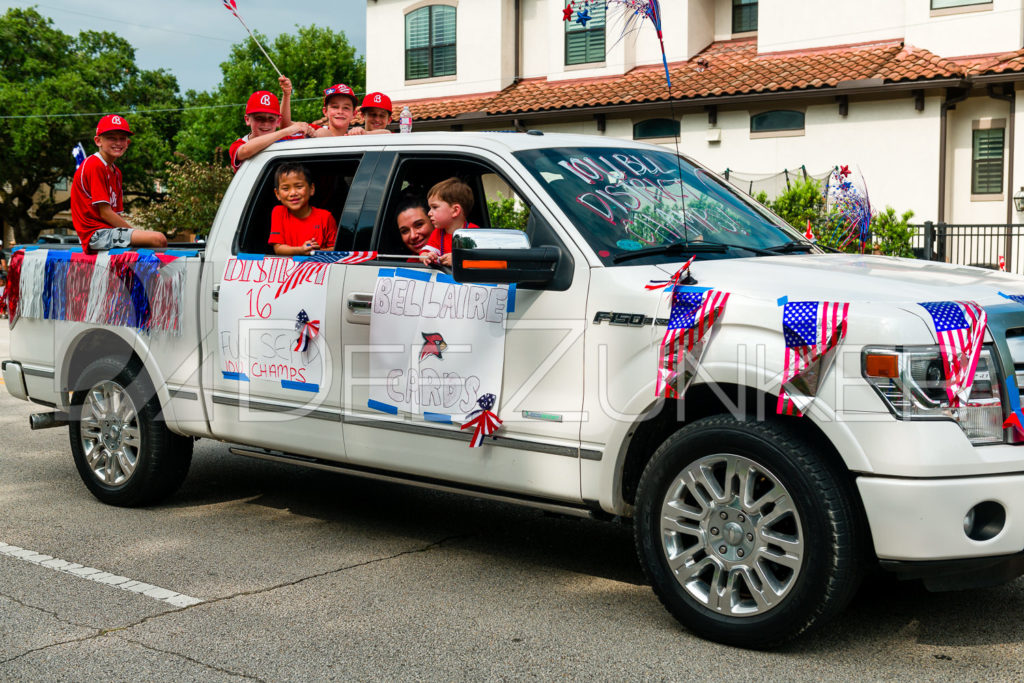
(78, 154)
(232, 6)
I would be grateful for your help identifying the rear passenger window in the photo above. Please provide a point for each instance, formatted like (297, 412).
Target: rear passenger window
(332, 178)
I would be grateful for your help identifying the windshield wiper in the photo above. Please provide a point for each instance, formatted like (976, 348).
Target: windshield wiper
(674, 249)
(791, 246)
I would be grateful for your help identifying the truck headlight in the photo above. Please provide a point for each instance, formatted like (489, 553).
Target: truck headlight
(909, 380)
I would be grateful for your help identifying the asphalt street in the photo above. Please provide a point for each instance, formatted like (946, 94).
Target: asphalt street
(305, 575)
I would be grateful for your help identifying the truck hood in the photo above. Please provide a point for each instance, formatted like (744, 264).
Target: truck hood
(849, 277)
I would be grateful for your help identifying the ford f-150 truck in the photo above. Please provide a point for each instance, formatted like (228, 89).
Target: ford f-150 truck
(762, 481)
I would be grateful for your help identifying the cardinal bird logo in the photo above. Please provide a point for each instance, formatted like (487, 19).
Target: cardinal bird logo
(433, 345)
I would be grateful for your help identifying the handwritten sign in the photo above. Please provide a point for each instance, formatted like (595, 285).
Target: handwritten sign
(436, 345)
(259, 322)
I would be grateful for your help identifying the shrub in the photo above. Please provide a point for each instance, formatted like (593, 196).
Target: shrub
(504, 214)
(892, 235)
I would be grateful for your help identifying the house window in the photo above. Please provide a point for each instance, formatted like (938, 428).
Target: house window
(780, 119)
(430, 42)
(987, 161)
(744, 16)
(946, 4)
(655, 128)
(584, 43)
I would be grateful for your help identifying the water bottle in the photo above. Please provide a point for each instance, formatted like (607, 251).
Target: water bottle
(405, 121)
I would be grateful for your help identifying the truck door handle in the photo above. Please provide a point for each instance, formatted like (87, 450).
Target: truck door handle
(360, 302)
(216, 296)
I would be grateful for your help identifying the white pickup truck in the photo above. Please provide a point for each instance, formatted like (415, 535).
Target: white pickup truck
(753, 526)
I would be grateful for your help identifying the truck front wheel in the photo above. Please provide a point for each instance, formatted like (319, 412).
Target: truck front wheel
(124, 453)
(747, 536)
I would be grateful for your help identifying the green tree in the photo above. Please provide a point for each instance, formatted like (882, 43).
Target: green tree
(314, 58)
(504, 214)
(193, 193)
(45, 71)
(892, 234)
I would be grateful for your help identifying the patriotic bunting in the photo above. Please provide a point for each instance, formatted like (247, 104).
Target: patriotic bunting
(485, 423)
(136, 289)
(960, 329)
(694, 313)
(812, 330)
(307, 329)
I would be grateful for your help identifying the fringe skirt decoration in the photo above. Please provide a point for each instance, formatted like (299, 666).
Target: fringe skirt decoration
(33, 270)
(55, 285)
(14, 286)
(120, 281)
(79, 279)
(96, 312)
(165, 297)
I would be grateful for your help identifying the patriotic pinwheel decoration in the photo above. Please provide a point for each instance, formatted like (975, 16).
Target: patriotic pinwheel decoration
(485, 422)
(812, 330)
(848, 209)
(960, 329)
(307, 329)
(694, 313)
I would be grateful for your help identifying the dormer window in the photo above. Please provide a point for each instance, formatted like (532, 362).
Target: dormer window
(744, 16)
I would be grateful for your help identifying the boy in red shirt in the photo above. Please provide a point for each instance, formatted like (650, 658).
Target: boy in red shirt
(263, 115)
(450, 202)
(376, 111)
(339, 108)
(97, 199)
(296, 228)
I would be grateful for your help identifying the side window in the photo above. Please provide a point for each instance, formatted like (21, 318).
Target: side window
(331, 178)
(496, 204)
(585, 35)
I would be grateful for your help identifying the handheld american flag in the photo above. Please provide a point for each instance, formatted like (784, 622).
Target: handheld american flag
(692, 317)
(230, 6)
(960, 329)
(812, 330)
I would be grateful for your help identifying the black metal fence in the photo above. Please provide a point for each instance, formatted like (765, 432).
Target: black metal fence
(988, 245)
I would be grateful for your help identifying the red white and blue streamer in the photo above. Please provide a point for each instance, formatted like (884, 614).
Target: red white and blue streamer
(812, 330)
(482, 420)
(960, 329)
(137, 289)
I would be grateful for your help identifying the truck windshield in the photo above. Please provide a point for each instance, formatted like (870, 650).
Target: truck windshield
(630, 205)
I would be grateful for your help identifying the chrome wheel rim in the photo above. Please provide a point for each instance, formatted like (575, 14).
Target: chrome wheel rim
(732, 535)
(110, 433)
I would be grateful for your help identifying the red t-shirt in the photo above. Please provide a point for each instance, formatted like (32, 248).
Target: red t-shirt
(440, 241)
(286, 229)
(95, 182)
(237, 144)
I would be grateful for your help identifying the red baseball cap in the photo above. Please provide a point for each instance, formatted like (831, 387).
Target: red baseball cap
(113, 122)
(340, 89)
(376, 100)
(263, 102)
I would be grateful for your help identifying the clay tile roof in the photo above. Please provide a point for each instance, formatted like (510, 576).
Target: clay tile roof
(724, 68)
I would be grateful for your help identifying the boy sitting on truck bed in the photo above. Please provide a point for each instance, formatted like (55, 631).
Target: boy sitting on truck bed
(97, 199)
(295, 226)
(450, 202)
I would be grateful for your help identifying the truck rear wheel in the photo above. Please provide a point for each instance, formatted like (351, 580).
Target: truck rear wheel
(125, 455)
(748, 538)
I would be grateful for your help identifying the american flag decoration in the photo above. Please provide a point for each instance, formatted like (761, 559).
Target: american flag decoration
(306, 271)
(485, 423)
(230, 6)
(345, 257)
(812, 330)
(307, 329)
(693, 315)
(960, 329)
(675, 280)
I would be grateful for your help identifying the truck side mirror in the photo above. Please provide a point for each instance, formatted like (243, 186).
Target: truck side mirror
(501, 257)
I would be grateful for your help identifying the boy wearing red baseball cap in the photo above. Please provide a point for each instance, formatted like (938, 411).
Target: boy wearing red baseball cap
(97, 199)
(339, 108)
(376, 111)
(263, 115)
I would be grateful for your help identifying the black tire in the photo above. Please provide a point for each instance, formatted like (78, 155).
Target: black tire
(793, 564)
(131, 459)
